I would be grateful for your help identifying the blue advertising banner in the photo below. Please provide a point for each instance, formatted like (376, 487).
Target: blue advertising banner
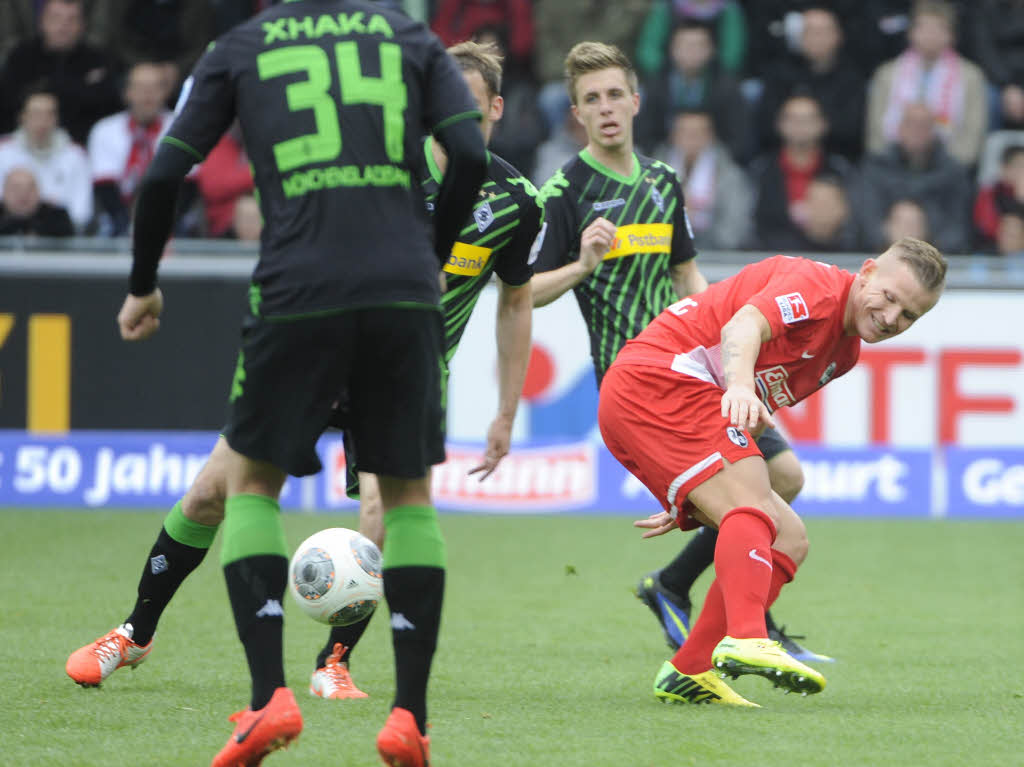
(122, 469)
(987, 483)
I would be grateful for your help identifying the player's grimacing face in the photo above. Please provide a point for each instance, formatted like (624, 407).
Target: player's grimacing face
(491, 107)
(605, 107)
(890, 299)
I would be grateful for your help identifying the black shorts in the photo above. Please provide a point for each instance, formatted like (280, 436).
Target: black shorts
(771, 443)
(382, 364)
(352, 464)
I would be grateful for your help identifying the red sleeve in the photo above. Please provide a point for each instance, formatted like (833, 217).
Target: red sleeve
(986, 215)
(800, 292)
(223, 176)
(520, 30)
(444, 21)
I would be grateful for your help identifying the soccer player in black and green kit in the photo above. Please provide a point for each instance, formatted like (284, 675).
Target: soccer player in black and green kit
(333, 98)
(504, 223)
(616, 234)
(497, 239)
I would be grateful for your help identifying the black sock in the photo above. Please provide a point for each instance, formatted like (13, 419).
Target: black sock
(770, 622)
(679, 574)
(414, 597)
(348, 636)
(167, 567)
(256, 586)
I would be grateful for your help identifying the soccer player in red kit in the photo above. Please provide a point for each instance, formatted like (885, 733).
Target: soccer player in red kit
(682, 402)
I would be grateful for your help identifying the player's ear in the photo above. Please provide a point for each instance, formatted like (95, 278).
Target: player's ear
(636, 102)
(497, 108)
(868, 267)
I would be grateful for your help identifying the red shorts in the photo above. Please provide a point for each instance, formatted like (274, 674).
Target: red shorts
(667, 429)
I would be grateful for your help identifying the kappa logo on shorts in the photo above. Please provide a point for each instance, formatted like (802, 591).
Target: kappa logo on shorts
(737, 437)
(793, 308)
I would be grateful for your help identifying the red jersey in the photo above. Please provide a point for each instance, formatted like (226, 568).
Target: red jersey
(802, 300)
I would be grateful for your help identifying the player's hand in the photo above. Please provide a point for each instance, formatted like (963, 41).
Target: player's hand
(499, 438)
(656, 524)
(744, 410)
(595, 242)
(139, 317)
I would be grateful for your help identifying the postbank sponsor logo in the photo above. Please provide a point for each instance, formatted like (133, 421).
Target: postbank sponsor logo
(641, 238)
(467, 259)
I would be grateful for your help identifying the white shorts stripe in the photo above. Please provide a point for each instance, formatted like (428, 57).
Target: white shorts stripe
(686, 476)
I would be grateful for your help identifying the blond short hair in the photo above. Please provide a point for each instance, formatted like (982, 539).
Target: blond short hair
(924, 260)
(588, 57)
(482, 58)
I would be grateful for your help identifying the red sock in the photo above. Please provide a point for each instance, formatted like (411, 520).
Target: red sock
(782, 573)
(694, 657)
(743, 564)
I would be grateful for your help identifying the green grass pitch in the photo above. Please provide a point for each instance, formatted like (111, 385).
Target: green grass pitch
(546, 658)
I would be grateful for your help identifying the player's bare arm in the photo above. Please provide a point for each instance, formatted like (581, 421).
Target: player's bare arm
(595, 242)
(687, 279)
(139, 317)
(514, 323)
(742, 337)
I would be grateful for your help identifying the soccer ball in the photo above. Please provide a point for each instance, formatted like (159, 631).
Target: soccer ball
(335, 576)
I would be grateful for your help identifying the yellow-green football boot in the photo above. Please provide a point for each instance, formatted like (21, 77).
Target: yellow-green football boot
(734, 657)
(672, 686)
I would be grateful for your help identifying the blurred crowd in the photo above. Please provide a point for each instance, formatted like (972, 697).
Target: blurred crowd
(794, 126)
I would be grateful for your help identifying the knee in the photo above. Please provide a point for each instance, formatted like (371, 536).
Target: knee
(792, 539)
(787, 478)
(204, 501)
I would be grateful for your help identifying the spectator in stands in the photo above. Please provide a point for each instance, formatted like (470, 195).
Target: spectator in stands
(827, 225)
(246, 220)
(173, 34)
(725, 17)
(83, 77)
(931, 71)
(23, 212)
(906, 218)
(60, 166)
(1011, 234)
(565, 143)
(560, 24)
(997, 33)
(917, 166)
(1005, 195)
(693, 81)
(122, 145)
(821, 69)
(223, 177)
(781, 178)
(719, 199)
(459, 20)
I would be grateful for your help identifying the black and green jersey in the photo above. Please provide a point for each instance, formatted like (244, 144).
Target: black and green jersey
(497, 239)
(632, 285)
(333, 97)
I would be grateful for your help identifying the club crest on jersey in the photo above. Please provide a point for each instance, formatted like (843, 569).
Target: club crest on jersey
(608, 204)
(658, 199)
(793, 308)
(773, 384)
(827, 375)
(737, 437)
(483, 216)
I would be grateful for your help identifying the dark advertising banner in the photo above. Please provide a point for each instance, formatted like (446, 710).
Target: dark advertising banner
(63, 364)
